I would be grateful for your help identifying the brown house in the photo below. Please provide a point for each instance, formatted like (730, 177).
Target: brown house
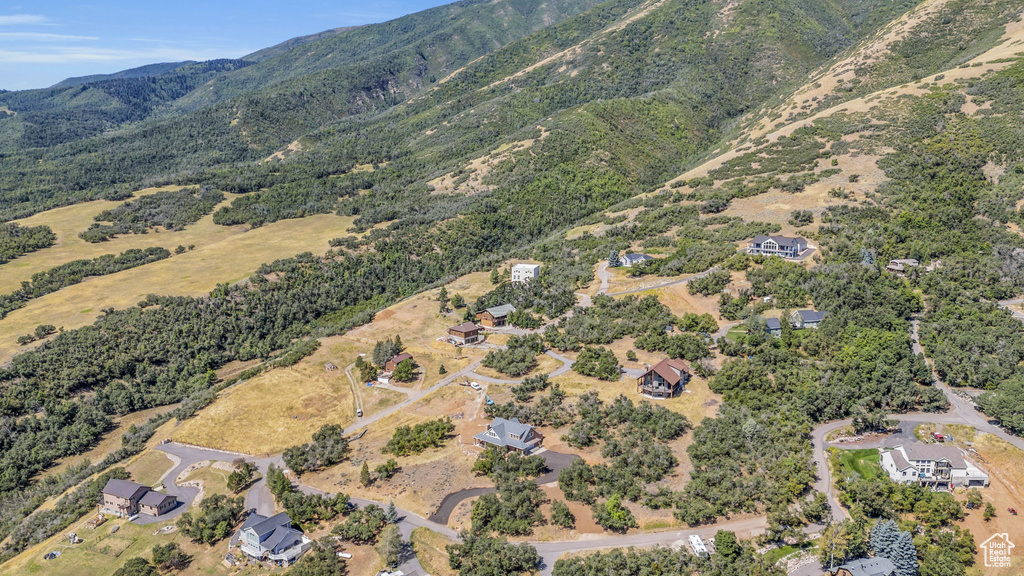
(465, 333)
(121, 497)
(126, 499)
(157, 503)
(495, 317)
(665, 379)
(390, 365)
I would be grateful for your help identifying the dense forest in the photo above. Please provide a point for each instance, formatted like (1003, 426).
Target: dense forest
(170, 210)
(17, 240)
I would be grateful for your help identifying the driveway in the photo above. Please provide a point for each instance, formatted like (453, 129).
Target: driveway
(556, 462)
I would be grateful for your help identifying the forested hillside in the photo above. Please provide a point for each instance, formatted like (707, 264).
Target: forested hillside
(464, 135)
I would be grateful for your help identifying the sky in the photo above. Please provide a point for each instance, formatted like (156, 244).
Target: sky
(45, 41)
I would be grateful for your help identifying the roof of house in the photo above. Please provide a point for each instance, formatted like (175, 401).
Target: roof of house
(500, 311)
(504, 429)
(399, 357)
(878, 566)
(123, 488)
(526, 266)
(635, 256)
(154, 498)
(811, 315)
(465, 327)
(773, 323)
(274, 532)
(920, 451)
(899, 460)
(780, 240)
(665, 369)
(905, 261)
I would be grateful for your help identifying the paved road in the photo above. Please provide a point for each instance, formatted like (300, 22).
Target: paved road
(556, 462)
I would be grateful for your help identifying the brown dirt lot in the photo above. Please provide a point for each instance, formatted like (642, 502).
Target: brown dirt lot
(424, 479)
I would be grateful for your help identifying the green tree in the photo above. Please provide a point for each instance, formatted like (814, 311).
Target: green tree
(442, 299)
(320, 560)
(483, 556)
(613, 259)
(389, 546)
(458, 301)
(561, 515)
(364, 475)
(442, 370)
(494, 276)
(170, 557)
(387, 470)
(990, 511)
(137, 567)
(727, 544)
(612, 515)
(405, 371)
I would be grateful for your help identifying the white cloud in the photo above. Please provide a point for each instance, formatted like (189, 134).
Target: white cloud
(13, 19)
(41, 37)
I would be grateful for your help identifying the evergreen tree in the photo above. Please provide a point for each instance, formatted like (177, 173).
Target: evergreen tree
(888, 541)
(364, 475)
(390, 546)
(883, 537)
(442, 370)
(494, 276)
(613, 259)
(458, 301)
(442, 299)
(392, 513)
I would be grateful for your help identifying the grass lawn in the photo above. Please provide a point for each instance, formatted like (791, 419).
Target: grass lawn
(150, 467)
(734, 333)
(215, 480)
(774, 555)
(861, 463)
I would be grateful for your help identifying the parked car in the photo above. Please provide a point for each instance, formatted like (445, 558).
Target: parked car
(475, 386)
(359, 412)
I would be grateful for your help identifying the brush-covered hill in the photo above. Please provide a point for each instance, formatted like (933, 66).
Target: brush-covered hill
(457, 138)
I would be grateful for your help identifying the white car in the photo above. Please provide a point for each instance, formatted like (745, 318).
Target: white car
(475, 386)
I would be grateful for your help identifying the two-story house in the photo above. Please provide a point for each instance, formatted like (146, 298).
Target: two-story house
(126, 499)
(465, 333)
(931, 465)
(776, 245)
(877, 566)
(496, 316)
(525, 272)
(665, 379)
(397, 359)
(806, 318)
(510, 434)
(273, 538)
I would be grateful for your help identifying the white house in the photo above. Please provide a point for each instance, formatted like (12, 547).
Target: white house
(931, 465)
(525, 272)
(776, 245)
(273, 538)
(630, 260)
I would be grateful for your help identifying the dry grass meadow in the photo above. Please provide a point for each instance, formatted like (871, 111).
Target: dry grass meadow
(214, 260)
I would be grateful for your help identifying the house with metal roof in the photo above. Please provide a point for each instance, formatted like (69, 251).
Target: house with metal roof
(931, 465)
(806, 318)
(510, 434)
(496, 316)
(774, 326)
(665, 379)
(273, 538)
(901, 265)
(877, 566)
(776, 245)
(630, 260)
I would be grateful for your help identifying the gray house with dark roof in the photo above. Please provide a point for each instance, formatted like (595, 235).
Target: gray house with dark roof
(775, 245)
(806, 318)
(510, 434)
(272, 538)
(774, 326)
(630, 260)
(877, 566)
(126, 499)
